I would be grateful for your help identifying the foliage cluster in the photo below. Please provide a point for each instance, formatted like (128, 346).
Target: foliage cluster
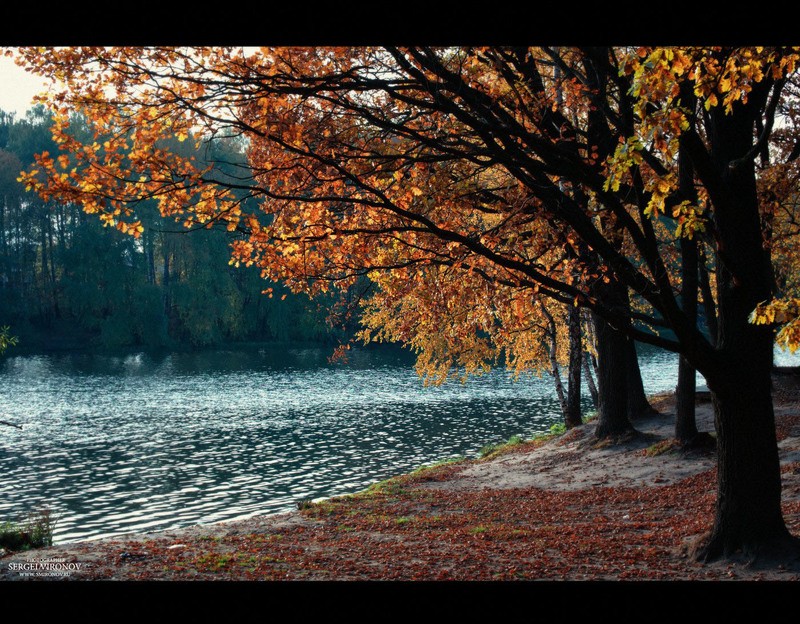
(6, 339)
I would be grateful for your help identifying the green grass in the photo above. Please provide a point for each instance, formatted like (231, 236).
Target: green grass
(436, 464)
(36, 531)
(492, 450)
(213, 561)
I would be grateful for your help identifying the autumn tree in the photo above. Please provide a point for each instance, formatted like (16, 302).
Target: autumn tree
(553, 173)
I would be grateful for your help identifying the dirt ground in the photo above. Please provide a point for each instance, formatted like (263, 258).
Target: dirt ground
(563, 509)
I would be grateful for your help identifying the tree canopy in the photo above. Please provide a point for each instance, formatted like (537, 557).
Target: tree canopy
(474, 187)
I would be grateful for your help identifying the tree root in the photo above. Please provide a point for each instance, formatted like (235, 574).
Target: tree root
(702, 441)
(647, 412)
(781, 552)
(612, 439)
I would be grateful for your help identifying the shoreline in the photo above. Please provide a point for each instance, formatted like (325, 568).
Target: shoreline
(565, 508)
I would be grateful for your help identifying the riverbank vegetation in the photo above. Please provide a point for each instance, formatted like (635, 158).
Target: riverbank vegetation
(36, 531)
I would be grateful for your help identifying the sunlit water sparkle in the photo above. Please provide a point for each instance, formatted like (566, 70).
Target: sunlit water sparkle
(147, 442)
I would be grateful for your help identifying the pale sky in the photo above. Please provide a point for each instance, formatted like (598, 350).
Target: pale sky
(17, 87)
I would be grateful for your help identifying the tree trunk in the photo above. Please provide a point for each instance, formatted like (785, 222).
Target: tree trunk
(555, 370)
(685, 418)
(612, 369)
(573, 414)
(685, 393)
(709, 309)
(748, 510)
(3, 243)
(591, 339)
(638, 405)
(52, 252)
(556, 375)
(587, 372)
(150, 257)
(165, 281)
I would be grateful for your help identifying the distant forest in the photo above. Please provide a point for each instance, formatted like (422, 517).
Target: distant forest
(67, 282)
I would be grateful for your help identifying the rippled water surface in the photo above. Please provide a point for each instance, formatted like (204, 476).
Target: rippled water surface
(148, 442)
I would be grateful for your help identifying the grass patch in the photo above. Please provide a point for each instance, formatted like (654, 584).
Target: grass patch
(217, 562)
(393, 486)
(213, 561)
(493, 450)
(320, 508)
(442, 462)
(36, 531)
(659, 448)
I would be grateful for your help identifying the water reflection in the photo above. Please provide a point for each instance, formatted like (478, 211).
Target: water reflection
(155, 441)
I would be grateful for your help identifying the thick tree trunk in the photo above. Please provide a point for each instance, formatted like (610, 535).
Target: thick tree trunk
(573, 415)
(748, 514)
(638, 405)
(748, 511)
(685, 416)
(612, 370)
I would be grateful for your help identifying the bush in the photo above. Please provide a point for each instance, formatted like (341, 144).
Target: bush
(35, 532)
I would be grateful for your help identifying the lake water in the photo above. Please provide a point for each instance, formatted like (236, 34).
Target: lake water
(144, 442)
